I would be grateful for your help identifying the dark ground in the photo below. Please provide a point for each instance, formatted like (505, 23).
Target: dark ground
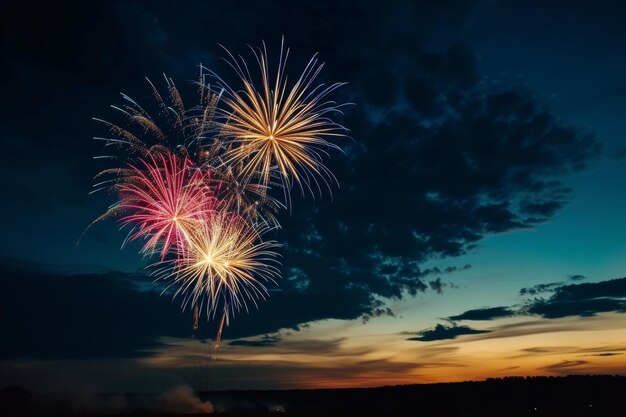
(570, 396)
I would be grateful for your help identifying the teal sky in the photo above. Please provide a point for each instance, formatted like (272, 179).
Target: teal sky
(328, 325)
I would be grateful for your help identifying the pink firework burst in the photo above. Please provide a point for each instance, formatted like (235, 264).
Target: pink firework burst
(164, 199)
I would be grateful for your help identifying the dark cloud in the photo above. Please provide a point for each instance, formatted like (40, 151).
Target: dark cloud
(562, 350)
(487, 313)
(289, 308)
(548, 349)
(438, 161)
(437, 285)
(115, 314)
(540, 288)
(264, 341)
(276, 345)
(531, 327)
(576, 277)
(443, 332)
(564, 365)
(548, 287)
(586, 299)
(55, 316)
(378, 312)
(489, 164)
(606, 354)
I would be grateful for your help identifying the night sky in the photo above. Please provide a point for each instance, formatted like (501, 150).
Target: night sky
(478, 230)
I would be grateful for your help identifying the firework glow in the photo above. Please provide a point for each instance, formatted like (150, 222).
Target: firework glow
(226, 264)
(164, 199)
(199, 185)
(246, 197)
(280, 129)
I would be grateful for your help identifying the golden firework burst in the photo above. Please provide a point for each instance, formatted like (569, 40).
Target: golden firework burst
(280, 127)
(226, 265)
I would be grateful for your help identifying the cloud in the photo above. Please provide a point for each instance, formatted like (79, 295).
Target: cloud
(576, 277)
(437, 285)
(601, 351)
(298, 361)
(438, 161)
(279, 345)
(607, 354)
(487, 313)
(548, 287)
(564, 365)
(472, 174)
(443, 332)
(586, 299)
(85, 315)
(264, 341)
(539, 288)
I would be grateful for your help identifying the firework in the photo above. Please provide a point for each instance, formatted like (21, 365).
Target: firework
(161, 193)
(164, 199)
(246, 197)
(279, 127)
(227, 265)
(166, 122)
(195, 182)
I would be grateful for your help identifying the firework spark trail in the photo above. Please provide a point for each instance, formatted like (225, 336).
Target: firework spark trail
(218, 336)
(196, 317)
(279, 128)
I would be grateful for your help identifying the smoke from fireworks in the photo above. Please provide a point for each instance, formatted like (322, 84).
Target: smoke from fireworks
(197, 185)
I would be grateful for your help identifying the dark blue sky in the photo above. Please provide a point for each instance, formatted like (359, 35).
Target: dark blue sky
(489, 156)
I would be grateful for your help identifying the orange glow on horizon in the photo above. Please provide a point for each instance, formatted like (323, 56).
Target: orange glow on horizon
(514, 347)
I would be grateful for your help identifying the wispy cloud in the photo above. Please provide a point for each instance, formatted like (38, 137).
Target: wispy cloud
(443, 332)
